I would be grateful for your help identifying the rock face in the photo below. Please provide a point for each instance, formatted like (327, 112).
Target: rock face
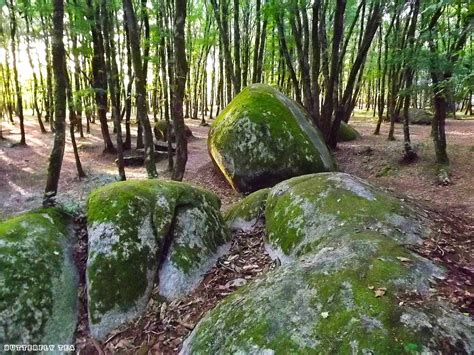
(347, 284)
(347, 133)
(419, 116)
(140, 228)
(38, 279)
(262, 137)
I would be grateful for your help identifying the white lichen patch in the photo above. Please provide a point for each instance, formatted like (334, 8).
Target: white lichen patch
(38, 279)
(352, 184)
(240, 224)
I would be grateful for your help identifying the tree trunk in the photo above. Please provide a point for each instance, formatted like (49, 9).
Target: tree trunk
(99, 71)
(19, 97)
(35, 79)
(113, 83)
(140, 86)
(179, 81)
(59, 66)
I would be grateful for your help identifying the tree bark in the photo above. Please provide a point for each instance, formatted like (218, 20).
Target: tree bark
(179, 82)
(59, 66)
(140, 86)
(19, 97)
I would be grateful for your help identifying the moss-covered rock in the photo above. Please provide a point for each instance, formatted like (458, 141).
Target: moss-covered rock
(303, 212)
(244, 214)
(38, 279)
(131, 232)
(347, 133)
(322, 309)
(345, 268)
(420, 116)
(160, 130)
(262, 137)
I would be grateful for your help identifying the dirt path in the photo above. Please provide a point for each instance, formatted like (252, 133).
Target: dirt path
(378, 160)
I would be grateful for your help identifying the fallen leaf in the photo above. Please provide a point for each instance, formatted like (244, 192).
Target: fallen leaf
(325, 314)
(403, 259)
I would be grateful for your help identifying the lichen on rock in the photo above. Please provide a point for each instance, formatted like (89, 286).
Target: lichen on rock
(262, 137)
(198, 238)
(420, 116)
(304, 211)
(245, 214)
(134, 228)
(38, 279)
(160, 130)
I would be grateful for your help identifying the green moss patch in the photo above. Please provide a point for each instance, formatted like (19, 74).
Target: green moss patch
(304, 211)
(244, 214)
(38, 279)
(262, 137)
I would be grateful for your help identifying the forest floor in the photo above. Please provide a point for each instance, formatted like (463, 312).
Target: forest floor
(23, 170)
(23, 173)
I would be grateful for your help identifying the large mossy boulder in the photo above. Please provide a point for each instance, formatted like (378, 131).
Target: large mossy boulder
(347, 133)
(420, 116)
(38, 279)
(262, 137)
(304, 212)
(347, 284)
(140, 228)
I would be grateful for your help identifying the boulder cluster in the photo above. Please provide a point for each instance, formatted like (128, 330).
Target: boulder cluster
(349, 280)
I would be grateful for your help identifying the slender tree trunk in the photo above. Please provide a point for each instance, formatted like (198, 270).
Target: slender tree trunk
(72, 124)
(19, 97)
(140, 86)
(222, 23)
(410, 155)
(128, 95)
(179, 81)
(238, 72)
(100, 78)
(113, 76)
(59, 66)
(35, 79)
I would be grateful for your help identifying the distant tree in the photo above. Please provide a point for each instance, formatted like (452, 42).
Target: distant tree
(18, 91)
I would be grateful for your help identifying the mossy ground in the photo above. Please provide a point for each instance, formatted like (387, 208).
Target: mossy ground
(37, 278)
(259, 140)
